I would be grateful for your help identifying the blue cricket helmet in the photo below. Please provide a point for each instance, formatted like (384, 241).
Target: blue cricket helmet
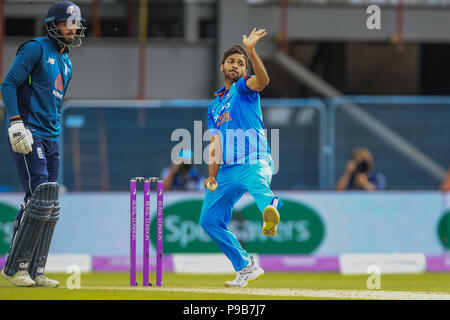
(69, 12)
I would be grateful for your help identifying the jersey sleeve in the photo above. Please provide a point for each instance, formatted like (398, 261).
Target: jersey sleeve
(27, 57)
(243, 89)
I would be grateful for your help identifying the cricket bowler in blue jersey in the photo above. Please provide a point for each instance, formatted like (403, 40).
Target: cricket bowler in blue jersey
(33, 91)
(239, 158)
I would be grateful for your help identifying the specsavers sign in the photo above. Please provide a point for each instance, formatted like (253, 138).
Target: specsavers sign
(301, 229)
(319, 223)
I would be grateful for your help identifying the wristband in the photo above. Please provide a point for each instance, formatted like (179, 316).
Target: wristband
(15, 119)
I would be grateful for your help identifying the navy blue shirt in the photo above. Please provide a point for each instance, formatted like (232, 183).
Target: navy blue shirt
(35, 85)
(375, 178)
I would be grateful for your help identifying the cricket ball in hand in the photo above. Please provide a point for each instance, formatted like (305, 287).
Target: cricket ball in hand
(211, 186)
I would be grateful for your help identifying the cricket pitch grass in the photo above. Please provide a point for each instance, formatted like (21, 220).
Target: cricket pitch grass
(272, 286)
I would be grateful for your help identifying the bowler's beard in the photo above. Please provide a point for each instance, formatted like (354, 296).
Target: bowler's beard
(231, 76)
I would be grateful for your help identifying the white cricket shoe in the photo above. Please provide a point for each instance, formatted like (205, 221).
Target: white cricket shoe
(20, 278)
(271, 219)
(43, 281)
(246, 275)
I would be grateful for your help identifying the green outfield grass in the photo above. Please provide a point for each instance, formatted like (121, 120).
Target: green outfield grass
(107, 286)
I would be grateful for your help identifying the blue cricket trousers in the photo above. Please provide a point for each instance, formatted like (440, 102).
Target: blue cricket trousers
(233, 182)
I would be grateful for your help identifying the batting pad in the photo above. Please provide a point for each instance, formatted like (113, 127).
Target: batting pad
(37, 213)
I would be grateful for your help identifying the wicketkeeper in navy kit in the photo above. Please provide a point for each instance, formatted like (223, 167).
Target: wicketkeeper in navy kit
(33, 92)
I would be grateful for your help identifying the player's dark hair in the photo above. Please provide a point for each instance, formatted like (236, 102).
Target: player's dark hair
(237, 48)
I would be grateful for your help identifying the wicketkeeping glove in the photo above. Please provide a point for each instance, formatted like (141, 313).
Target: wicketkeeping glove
(20, 137)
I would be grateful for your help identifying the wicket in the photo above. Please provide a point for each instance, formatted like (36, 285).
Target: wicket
(146, 230)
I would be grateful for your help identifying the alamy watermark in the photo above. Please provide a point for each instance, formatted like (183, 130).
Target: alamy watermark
(74, 280)
(374, 280)
(236, 145)
(373, 22)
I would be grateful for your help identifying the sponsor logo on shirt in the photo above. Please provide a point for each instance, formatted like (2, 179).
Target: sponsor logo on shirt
(59, 83)
(51, 60)
(225, 106)
(220, 119)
